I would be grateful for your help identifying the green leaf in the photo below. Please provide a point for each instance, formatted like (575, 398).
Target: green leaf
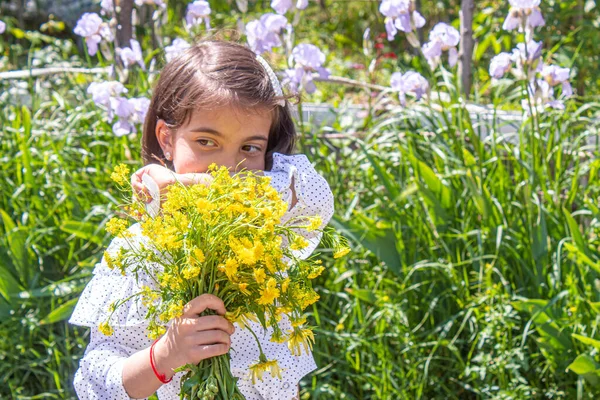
(595, 306)
(365, 295)
(384, 176)
(17, 238)
(432, 181)
(574, 230)
(381, 242)
(7, 221)
(61, 313)
(540, 238)
(57, 289)
(84, 230)
(587, 340)
(551, 334)
(17, 33)
(9, 286)
(24, 145)
(5, 309)
(583, 364)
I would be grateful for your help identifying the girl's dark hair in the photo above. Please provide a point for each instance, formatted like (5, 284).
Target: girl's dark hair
(211, 74)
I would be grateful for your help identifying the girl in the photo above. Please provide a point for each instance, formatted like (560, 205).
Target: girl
(215, 103)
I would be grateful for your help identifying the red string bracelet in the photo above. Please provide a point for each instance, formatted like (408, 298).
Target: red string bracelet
(161, 377)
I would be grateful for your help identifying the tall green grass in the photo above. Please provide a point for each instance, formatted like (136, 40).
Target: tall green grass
(56, 194)
(480, 258)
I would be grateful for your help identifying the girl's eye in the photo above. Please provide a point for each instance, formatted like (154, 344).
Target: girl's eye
(206, 142)
(251, 148)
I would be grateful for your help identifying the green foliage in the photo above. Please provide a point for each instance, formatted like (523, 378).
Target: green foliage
(488, 287)
(56, 196)
(476, 263)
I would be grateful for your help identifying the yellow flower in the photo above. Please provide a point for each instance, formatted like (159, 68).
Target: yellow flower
(176, 309)
(266, 212)
(270, 264)
(149, 296)
(305, 296)
(259, 275)
(242, 319)
(176, 199)
(191, 271)
(155, 331)
(105, 329)
(171, 281)
(243, 288)
(120, 174)
(300, 338)
(297, 322)
(280, 210)
(269, 293)
(315, 223)
(198, 190)
(164, 232)
(109, 260)
(204, 207)
(243, 249)
(231, 316)
(278, 337)
(276, 242)
(135, 211)
(118, 227)
(257, 369)
(299, 243)
(316, 272)
(259, 250)
(284, 285)
(341, 252)
(271, 193)
(231, 268)
(199, 255)
(116, 261)
(269, 227)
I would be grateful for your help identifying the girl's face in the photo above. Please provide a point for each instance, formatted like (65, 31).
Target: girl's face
(226, 137)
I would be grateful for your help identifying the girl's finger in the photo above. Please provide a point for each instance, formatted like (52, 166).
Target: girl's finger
(211, 322)
(201, 303)
(137, 175)
(207, 351)
(141, 192)
(135, 179)
(216, 336)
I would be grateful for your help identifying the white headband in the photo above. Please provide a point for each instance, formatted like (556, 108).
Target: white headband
(273, 78)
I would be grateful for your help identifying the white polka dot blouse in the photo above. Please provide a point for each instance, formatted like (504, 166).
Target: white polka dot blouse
(100, 370)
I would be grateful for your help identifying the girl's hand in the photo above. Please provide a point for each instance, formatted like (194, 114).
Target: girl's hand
(163, 178)
(161, 175)
(191, 338)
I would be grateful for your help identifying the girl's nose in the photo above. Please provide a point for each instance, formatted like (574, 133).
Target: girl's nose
(233, 163)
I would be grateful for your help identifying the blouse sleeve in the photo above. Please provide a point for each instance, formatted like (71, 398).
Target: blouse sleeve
(314, 197)
(100, 373)
(100, 370)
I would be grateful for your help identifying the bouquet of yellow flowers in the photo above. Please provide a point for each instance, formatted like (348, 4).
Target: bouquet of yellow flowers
(225, 239)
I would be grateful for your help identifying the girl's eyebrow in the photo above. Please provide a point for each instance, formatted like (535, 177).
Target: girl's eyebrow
(207, 130)
(257, 137)
(217, 133)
